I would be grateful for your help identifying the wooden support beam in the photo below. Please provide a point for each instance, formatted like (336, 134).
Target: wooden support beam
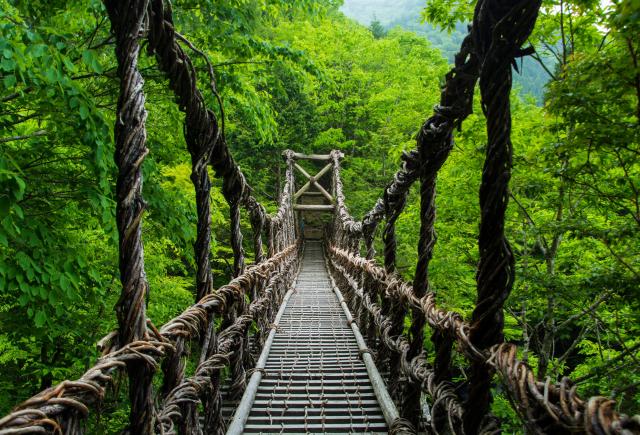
(313, 207)
(326, 194)
(317, 157)
(312, 193)
(301, 169)
(312, 180)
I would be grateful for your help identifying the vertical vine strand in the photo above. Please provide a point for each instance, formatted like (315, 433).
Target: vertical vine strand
(500, 28)
(130, 136)
(434, 143)
(257, 216)
(236, 238)
(394, 307)
(201, 137)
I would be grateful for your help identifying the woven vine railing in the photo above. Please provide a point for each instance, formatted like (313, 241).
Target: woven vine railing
(219, 322)
(381, 300)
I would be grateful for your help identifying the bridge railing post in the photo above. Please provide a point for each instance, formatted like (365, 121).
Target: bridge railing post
(393, 307)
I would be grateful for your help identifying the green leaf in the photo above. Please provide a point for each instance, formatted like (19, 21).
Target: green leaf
(23, 299)
(19, 192)
(64, 283)
(91, 60)
(5, 206)
(7, 64)
(70, 66)
(23, 260)
(84, 111)
(10, 81)
(40, 319)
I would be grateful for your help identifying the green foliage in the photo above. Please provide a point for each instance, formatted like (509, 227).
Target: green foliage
(377, 29)
(429, 18)
(447, 13)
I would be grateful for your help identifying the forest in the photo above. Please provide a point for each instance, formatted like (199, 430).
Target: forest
(300, 75)
(412, 15)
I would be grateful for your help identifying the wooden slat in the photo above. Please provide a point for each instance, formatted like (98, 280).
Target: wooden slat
(313, 207)
(317, 157)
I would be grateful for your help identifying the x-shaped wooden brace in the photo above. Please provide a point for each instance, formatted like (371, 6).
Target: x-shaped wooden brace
(313, 181)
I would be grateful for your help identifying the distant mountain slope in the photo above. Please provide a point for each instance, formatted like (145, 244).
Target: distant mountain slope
(388, 12)
(406, 14)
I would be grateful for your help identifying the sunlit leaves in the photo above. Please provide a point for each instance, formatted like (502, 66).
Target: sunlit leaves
(447, 14)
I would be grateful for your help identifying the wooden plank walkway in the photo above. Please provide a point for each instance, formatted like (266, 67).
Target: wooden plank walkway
(315, 380)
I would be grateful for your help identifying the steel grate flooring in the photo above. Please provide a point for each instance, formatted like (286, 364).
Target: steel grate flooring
(315, 381)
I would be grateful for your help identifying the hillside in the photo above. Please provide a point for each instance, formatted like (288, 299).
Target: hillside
(407, 15)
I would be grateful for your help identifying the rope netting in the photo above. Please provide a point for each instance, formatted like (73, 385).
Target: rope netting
(219, 322)
(382, 300)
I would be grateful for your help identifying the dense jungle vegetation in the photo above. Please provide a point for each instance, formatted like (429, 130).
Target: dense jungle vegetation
(298, 74)
(382, 15)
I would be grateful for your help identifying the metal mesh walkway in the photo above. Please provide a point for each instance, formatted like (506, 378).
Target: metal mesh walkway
(314, 380)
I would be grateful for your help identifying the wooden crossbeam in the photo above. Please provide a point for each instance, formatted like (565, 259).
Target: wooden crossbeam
(313, 207)
(317, 157)
(313, 181)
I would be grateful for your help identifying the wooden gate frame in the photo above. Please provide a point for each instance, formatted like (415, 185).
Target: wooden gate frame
(313, 181)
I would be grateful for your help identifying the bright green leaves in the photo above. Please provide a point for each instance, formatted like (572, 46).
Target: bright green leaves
(43, 282)
(91, 60)
(10, 81)
(38, 70)
(57, 252)
(6, 63)
(40, 319)
(12, 190)
(447, 14)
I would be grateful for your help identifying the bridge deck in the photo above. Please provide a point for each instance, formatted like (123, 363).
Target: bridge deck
(315, 380)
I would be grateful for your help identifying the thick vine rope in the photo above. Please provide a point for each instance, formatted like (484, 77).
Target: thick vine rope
(130, 137)
(495, 275)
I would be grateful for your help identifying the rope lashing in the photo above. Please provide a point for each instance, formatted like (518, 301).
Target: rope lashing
(361, 352)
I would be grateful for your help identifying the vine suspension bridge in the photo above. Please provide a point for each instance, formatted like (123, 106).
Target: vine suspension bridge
(310, 337)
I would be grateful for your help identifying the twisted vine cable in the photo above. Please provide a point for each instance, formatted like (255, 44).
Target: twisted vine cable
(201, 137)
(130, 136)
(434, 144)
(500, 27)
